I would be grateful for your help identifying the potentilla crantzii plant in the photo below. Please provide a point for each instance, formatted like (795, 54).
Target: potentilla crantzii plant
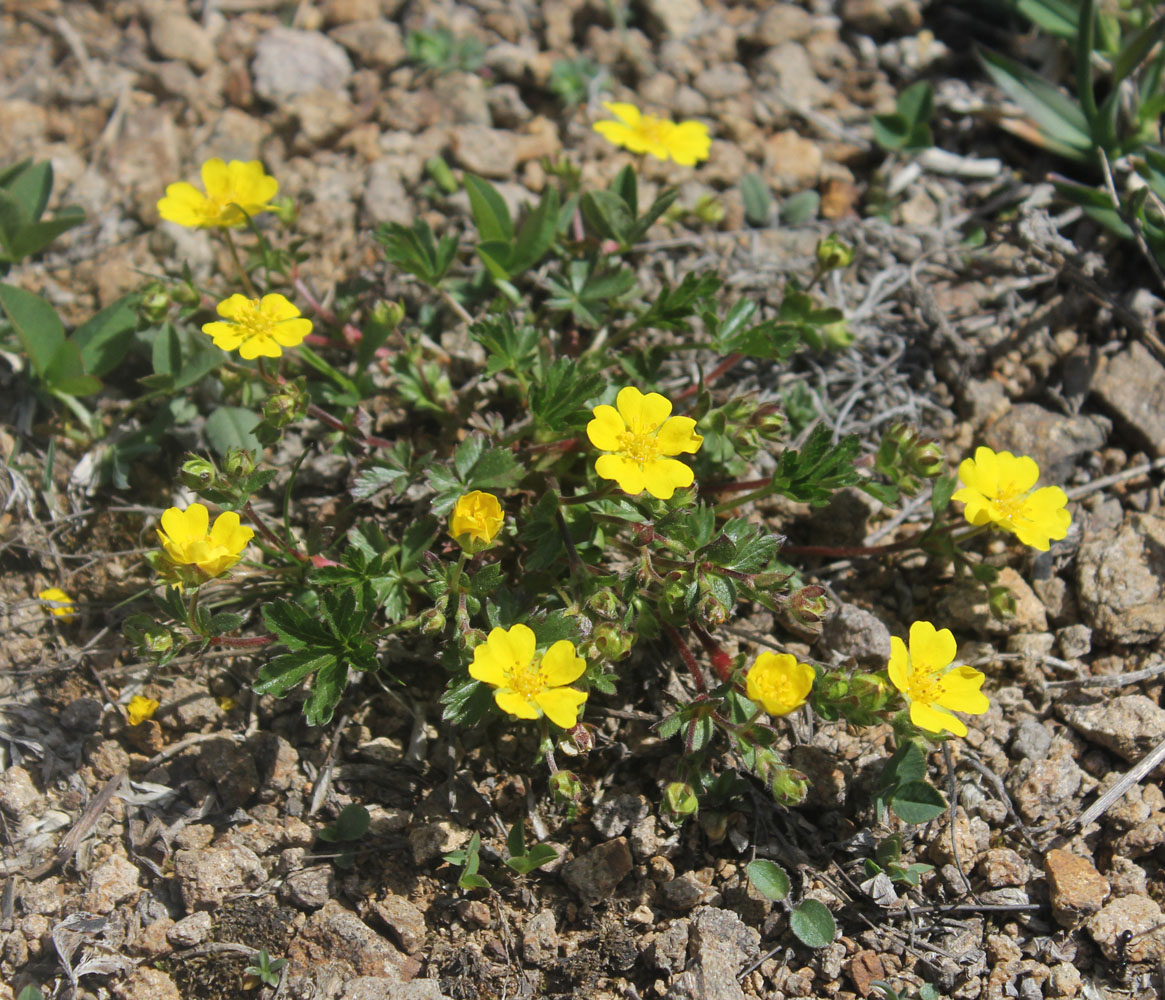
(572, 500)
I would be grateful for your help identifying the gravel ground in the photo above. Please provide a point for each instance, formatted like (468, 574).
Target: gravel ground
(151, 862)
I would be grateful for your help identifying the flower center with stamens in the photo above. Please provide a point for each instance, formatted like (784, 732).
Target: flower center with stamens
(924, 687)
(527, 679)
(641, 448)
(654, 129)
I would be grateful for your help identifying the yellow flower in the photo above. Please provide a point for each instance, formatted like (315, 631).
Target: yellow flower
(999, 489)
(60, 597)
(477, 518)
(231, 189)
(779, 682)
(139, 709)
(640, 434)
(687, 143)
(930, 685)
(258, 328)
(529, 684)
(188, 542)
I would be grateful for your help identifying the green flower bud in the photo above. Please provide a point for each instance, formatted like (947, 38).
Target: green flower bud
(471, 638)
(387, 314)
(680, 800)
(158, 641)
(438, 169)
(711, 612)
(198, 474)
(432, 622)
(286, 211)
(565, 786)
(603, 603)
(927, 459)
(838, 335)
(714, 825)
(186, 295)
(578, 740)
(155, 305)
(608, 643)
(833, 253)
(239, 463)
(287, 405)
(789, 786)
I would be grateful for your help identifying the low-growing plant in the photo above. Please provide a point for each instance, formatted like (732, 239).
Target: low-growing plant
(1110, 123)
(264, 969)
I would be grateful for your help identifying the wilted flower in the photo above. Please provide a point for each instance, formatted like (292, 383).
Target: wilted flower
(999, 488)
(258, 328)
(231, 189)
(930, 685)
(188, 539)
(640, 435)
(528, 683)
(687, 142)
(779, 682)
(139, 709)
(477, 518)
(57, 595)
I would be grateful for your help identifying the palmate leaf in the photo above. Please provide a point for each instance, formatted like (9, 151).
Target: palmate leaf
(819, 469)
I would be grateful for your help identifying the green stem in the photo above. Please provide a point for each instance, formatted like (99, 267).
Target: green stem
(246, 278)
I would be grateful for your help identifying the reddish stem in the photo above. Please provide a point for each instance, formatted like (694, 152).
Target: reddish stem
(687, 656)
(726, 365)
(721, 661)
(845, 551)
(270, 535)
(251, 642)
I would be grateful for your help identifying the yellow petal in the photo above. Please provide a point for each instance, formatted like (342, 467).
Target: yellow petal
(604, 431)
(615, 132)
(291, 332)
(677, 435)
(216, 178)
(960, 691)
(561, 664)
(514, 646)
(935, 721)
(277, 307)
(664, 476)
(226, 336)
(516, 704)
(899, 666)
(487, 666)
(183, 204)
(931, 650)
(628, 114)
(688, 143)
(561, 705)
(259, 346)
(230, 534)
(628, 474)
(234, 306)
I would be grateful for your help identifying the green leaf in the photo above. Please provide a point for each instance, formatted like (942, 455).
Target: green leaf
(326, 690)
(757, 198)
(536, 234)
(516, 840)
(608, 215)
(510, 348)
(490, 214)
(1057, 17)
(415, 251)
(769, 879)
(467, 702)
(560, 395)
(1133, 54)
(887, 990)
(105, 338)
(917, 802)
(36, 324)
(675, 305)
(33, 237)
(819, 469)
(536, 857)
(813, 924)
(232, 427)
(800, 208)
(941, 492)
(66, 372)
(31, 186)
(1062, 125)
(283, 672)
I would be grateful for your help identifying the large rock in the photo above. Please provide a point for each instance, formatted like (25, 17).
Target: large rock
(1137, 915)
(289, 62)
(176, 36)
(1132, 387)
(720, 945)
(209, 876)
(375, 43)
(1076, 888)
(1120, 573)
(594, 875)
(1129, 725)
(337, 934)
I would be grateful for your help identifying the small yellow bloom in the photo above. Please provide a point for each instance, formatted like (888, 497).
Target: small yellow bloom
(529, 684)
(640, 435)
(999, 488)
(60, 597)
(227, 704)
(477, 519)
(189, 540)
(779, 682)
(687, 142)
(139, 709)
(930, 685)
(258, 328)
(231, 189)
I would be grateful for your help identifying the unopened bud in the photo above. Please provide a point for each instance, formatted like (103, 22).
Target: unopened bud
(286, 211)
(833, 253)
(158, 641)
(239, 463)
(711, 611)
(789, 786)
(838, 335)
(603, 603)
(680, 800)
(288, 404)
(714, 825)
(155, 306)
(198, 473)
(387, 314)
(471, 638)
(579, 739)
(432, 622)
(565, 786)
